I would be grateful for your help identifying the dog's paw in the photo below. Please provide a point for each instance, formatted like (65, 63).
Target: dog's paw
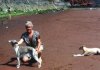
(18, 66)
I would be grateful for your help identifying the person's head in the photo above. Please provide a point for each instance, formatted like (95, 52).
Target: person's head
(29, 26)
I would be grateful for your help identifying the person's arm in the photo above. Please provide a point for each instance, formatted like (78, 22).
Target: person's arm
(39, 44)
(20, 41)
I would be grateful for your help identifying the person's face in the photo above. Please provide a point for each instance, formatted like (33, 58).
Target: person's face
(29, 29)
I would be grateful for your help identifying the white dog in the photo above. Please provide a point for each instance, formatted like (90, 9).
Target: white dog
(88, 51)
(22, 50)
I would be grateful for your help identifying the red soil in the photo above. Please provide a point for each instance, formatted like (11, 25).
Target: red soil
(62, 34)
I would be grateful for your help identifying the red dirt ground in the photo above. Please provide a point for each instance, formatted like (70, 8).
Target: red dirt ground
(62, 34)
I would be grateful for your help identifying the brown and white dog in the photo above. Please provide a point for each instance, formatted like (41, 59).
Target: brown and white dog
(88, 51)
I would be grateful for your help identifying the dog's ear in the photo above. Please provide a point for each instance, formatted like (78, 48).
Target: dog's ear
(81, 48)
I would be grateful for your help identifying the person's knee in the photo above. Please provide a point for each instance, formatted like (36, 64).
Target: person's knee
(25, 59)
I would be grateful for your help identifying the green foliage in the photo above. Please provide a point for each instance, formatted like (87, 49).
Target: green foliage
(30, 9)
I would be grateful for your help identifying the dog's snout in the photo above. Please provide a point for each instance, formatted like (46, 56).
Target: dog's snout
(9, 41)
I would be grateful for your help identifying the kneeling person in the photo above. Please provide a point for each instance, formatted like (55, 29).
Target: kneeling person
(31, 38)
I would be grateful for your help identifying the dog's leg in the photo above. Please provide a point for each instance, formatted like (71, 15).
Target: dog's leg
(40, 59)
(35, 55)
(18, 62)
(86, 54)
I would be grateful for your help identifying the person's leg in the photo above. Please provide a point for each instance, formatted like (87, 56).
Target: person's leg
(26, 57)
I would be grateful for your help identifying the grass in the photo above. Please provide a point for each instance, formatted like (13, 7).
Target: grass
(4, 15)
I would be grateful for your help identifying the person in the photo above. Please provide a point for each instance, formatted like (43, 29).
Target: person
(31, 38)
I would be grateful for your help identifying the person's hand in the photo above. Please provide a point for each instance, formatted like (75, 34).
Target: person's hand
(37, 49)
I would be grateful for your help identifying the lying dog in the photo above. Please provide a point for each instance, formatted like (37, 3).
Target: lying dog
(88, 51)
(22, 50)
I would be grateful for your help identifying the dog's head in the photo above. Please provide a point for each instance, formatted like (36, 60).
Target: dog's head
(13, 42)
(82, 47)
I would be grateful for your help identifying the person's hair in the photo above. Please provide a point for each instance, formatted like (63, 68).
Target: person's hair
(29, 24)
